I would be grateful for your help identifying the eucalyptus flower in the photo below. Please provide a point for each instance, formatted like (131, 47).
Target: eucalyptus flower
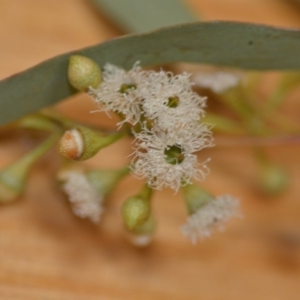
(206, 212)
(169, 99)
(86, 202)
(87, 190)
(118, 93)
(167, 158)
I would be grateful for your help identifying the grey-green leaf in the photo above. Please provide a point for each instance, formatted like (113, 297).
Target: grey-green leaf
(145, 15)
(231, 44)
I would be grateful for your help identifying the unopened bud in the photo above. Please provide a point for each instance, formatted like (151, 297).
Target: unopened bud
(83, 73)
(136, 210)
(82, 143)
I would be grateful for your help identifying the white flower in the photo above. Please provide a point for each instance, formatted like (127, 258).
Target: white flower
(86, 202)
(169, 99)
(214, 213)
(168, 158)
(117, 92)
(218, 82)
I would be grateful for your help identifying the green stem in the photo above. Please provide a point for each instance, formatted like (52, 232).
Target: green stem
(235, 99)
(223, 124)
(269, 113)
(145, 192)
(16, 174)
(58, 118)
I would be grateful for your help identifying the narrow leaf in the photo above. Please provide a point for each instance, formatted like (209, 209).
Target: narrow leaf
(237, 45)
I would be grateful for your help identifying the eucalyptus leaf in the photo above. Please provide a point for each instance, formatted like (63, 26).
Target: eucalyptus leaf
(145, 15)
(239, 45)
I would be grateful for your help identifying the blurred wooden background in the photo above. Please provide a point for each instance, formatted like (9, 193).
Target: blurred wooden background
(47, 253)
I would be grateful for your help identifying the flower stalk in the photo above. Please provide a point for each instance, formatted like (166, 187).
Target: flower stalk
(105, 180)
(14, 178)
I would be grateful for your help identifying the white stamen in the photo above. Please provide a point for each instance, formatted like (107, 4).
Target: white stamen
(214, 213)
(86, 202)
(218, 82)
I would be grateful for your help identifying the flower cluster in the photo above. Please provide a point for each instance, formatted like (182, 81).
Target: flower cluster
(169, 114)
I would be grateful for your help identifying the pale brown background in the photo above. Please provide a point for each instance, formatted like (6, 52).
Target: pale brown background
(47, 253)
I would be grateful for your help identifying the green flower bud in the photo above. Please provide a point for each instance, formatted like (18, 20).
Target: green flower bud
(136, 210)
(82, 143)
(83, 73)
(195, 197)
(13, 178)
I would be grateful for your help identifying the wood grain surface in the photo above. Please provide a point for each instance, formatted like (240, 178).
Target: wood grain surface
(47, 253)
